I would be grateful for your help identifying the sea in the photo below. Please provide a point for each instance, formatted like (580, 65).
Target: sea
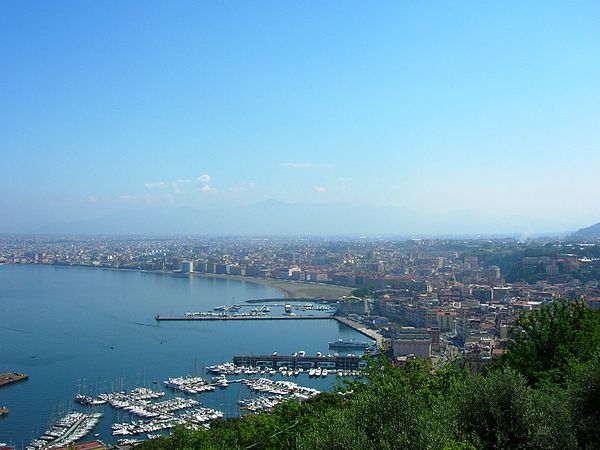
(90, 330)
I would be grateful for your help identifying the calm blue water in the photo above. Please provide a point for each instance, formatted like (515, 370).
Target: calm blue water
(91, 330)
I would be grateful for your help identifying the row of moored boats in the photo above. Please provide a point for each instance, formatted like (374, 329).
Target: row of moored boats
(66, 430)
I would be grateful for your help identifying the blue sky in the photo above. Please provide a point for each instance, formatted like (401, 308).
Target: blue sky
(430, 106)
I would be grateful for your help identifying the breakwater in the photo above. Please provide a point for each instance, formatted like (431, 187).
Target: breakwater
(8, 378)
(240, 317)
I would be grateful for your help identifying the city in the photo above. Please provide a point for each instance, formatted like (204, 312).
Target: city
(299, 225)
(426, 297)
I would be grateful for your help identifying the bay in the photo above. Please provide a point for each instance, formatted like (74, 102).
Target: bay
(92, 330)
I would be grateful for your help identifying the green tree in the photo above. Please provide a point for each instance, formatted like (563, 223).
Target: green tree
(552, 342)
(500, 411)
(395, 408)
(586, 405)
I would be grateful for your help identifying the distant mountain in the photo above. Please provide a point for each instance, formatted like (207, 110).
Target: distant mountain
(592, 232)
(265, 218)
(277, 218)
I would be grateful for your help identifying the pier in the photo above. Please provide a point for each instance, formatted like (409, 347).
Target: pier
(372, 334)
(241, 317)
(361, 328)
(290, 300)
(347, 362)
(12, 377)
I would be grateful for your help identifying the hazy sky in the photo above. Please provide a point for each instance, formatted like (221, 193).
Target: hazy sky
(432, 106)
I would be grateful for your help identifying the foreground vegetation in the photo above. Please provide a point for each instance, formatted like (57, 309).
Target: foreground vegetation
(543, 394)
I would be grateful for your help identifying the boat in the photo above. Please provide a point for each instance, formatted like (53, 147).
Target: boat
(288, 308)
(349, 343)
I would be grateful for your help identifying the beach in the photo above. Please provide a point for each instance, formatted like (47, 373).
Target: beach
(290, 289)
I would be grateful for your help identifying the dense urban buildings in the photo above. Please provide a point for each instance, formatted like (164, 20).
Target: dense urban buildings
(428, 297)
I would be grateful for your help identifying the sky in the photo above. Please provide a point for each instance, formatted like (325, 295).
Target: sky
(436, 107)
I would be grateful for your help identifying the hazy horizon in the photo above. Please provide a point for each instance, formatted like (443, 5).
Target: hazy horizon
(271, 218)
(435, 118)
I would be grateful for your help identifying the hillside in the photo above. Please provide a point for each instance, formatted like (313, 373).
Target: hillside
(592, 232)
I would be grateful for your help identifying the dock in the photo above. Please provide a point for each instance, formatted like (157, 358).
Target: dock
(347, 362)
(290, 300)
(12, 377)
(361, 328)
(372, 334)
(240, 317)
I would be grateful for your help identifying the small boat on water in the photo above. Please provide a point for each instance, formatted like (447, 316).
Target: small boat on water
(349, 343)
(88, 401)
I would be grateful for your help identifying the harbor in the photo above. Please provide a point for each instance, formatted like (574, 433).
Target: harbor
(142, 352)
(156, 411)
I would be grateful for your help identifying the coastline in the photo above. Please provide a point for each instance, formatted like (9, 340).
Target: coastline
(288, 288)
(286, 293)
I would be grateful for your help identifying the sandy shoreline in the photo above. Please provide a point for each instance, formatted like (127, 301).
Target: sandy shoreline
(290, 289)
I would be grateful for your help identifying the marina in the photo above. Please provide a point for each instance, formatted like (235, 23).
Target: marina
(64, 337)
(284, 388)
(66, 431)
(344, 362)
(158, 415)
(189, 385)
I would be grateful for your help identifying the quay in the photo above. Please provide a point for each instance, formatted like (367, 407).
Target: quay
(372, 334)
(246, 317)
(290, 300)
(12, 377)
(348, 362)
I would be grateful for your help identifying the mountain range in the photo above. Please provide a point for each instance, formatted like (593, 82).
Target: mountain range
(273, 217)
